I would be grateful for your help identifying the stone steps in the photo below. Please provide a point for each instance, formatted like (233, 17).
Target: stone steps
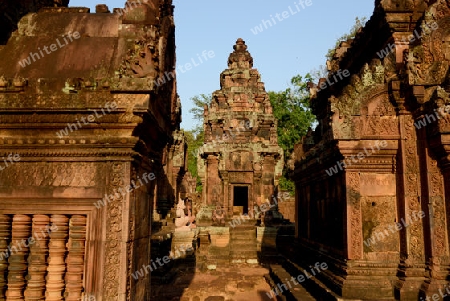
(293, 292)
(243, 244)
(244, 254)
(243, 237)
(219, 252)
(239, 245)
(313, 285)
(225, 246)
(243, 234)
(242, 227)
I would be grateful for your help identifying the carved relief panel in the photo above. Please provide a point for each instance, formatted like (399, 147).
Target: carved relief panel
(241, 161)
(74, 174)
(379, 118)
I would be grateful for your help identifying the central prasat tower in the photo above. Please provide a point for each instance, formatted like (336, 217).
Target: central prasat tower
(240, 162)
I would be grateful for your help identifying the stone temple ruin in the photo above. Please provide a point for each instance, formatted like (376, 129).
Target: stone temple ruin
(240, 162)
(87, 123)
(378, 215)
(94, 192)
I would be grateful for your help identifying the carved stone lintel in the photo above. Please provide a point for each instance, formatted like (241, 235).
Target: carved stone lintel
(50, 174)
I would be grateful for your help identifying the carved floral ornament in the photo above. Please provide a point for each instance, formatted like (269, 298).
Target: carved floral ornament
(363, 89)
(442, 98)
(141, 59)
(441, 104)
(434, 95)
(349, 102)
(428, 61)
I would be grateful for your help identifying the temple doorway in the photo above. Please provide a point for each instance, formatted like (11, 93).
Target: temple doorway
(240, 200)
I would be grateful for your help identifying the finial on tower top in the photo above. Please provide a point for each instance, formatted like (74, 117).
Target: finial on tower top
(240, 45)
(240, 57)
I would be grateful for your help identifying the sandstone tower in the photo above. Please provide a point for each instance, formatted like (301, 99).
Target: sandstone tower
(240, 162)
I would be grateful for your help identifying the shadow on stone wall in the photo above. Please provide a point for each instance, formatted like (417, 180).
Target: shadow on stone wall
(172, 252)
(170, 280)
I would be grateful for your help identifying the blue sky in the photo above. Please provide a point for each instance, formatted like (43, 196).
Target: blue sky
(294, 42)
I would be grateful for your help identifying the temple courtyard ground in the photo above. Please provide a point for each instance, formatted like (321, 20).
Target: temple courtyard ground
(234, 283)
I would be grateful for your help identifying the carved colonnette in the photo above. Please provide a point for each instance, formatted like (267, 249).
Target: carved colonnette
(412, 244)
(432, 109)
(428, 64)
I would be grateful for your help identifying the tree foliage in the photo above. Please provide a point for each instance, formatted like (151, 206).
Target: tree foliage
(196, 137)
(291, 109)
(194, 141)
(199, 103)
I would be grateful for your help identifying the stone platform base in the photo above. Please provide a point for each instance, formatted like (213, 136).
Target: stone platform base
(343, 279)
(222, 246)
(184, 243)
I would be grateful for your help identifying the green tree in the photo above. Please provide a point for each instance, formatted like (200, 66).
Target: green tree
(194, 141)
(291, 109)
(199, 104)
(196, 137)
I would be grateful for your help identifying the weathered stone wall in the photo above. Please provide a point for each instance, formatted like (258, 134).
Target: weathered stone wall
(371, 179)
(80, 108)
(12, 11)
(286, 205)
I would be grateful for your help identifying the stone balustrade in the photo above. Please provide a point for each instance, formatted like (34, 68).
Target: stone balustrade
(42, 257)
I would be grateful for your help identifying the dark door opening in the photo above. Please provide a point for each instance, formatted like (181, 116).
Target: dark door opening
(241, 198)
